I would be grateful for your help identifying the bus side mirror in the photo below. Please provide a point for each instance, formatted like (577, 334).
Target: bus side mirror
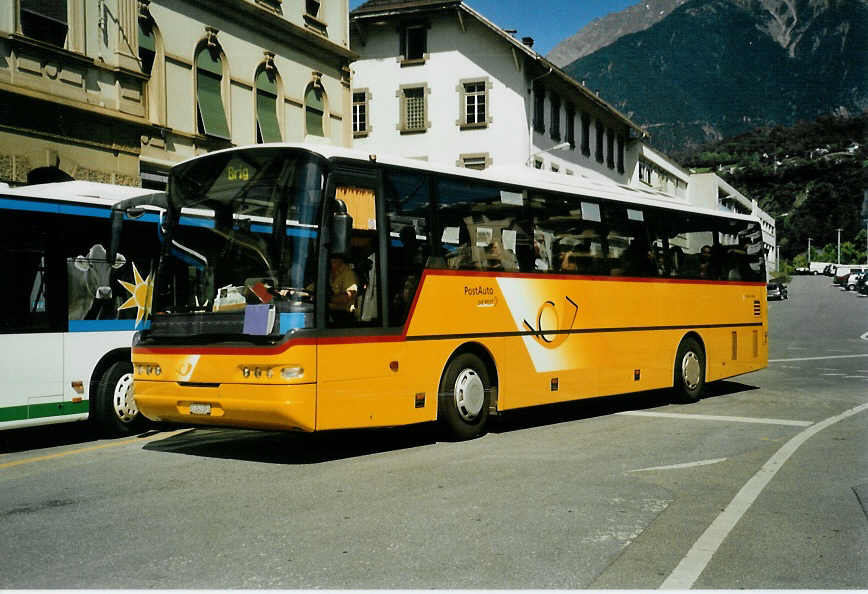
(117, 222)
(340, 230)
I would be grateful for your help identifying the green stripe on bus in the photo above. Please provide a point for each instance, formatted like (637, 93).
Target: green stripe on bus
(40, 411)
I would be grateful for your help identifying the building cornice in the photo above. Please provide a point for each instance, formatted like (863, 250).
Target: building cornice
(269, 23)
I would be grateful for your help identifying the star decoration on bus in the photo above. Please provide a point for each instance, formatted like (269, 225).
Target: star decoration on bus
(140, 294)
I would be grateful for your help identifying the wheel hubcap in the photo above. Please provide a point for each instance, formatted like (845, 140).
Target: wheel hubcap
(690, 370)
(124, 403)
(469, 394)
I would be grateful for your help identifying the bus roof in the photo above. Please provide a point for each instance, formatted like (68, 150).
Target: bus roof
(585, 182)
(81, 192)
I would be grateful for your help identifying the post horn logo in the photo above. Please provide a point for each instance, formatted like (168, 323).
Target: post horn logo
(552, 329)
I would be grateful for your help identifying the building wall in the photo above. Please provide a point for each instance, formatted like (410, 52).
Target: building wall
(89, 109)
(455, 55)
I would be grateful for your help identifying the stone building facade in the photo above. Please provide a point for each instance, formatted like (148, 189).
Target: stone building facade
(119, 90)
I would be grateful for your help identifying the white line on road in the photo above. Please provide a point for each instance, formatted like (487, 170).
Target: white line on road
(679, 466)
(645, 413)
(864, 336)
(817, 358)
(694, 563)
(835, 374)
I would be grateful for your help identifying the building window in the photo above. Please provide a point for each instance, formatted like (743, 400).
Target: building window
(555, 130)
(45, 20)
(314, 110)
(210, 110)
(312, 18)
(599, 147)
(644, 172)
(477, 161)
(414, 43)
(571, 126)
(474, 107)
(152, 62)
(586, 135)
(610, 149)
(361, 125)
(620, 154)
(267, 124)
(147, 46)
(414, 109)
(539, 102)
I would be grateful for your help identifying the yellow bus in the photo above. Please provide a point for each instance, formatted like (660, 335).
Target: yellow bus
(326, 289)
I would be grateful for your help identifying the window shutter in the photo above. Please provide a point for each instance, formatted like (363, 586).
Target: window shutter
(209, 99)
(266, 109)
(314, 110)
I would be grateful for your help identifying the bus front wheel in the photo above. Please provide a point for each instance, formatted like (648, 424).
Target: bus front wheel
(689, 373)
(465, 394)
(115, 408)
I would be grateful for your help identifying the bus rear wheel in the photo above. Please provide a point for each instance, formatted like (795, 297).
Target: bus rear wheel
(115, 408)
(464, 397)
(689, 372)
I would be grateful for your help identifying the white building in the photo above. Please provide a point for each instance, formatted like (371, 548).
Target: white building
(436, 80)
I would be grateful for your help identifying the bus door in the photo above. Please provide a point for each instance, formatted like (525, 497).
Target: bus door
(32, 319)
(359, 373)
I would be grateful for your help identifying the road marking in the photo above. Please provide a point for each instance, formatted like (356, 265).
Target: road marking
(864, 336)
(835, 374)
(694, 563)
(680, 466)
(856, 377)
(645, 413)
(817, 358)
(88, 449)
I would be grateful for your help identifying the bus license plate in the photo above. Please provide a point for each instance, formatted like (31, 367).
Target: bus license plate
(198, 408)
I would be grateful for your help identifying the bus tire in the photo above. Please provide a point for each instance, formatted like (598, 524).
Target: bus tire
(464, 397)
(689, 372)
(115, 409)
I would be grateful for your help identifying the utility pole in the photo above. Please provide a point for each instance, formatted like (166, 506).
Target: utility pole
(839, 247)
(809, 252)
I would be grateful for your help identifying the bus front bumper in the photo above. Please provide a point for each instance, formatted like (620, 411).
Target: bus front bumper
(243, 405)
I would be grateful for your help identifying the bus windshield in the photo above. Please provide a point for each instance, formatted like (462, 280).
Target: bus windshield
(247, 236)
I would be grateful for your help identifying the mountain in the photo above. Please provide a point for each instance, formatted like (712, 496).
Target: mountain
(716, 68)
(605, 30)
(811, 177)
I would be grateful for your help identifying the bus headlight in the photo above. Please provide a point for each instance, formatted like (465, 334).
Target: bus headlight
(292, 372)
(147, 369)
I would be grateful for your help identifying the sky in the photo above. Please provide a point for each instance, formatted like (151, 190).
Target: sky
(548, 21)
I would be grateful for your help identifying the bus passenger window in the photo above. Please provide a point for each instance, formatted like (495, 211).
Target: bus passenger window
(408, 209)
(483, 227)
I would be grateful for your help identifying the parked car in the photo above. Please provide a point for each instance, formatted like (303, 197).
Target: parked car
(802, 270)
(862, 285)
(853, 280)
(776, 291)
(843, 275)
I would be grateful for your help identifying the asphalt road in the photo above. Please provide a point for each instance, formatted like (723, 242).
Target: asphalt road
(762, 484)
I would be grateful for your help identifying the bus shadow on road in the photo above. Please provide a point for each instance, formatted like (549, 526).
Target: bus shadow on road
(276, 447)
(576, 410)
(293, 448)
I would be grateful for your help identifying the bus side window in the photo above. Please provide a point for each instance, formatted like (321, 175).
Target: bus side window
(408, 209)
(483, 226)
(28, 294)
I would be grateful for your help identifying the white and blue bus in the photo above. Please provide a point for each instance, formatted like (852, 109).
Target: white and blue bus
(68, 314)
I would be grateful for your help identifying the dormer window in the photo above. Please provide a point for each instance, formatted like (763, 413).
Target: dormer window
(414, 43)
